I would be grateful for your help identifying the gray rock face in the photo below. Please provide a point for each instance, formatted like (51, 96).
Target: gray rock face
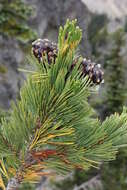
(113, 8)
(49, 15)
(10, 57)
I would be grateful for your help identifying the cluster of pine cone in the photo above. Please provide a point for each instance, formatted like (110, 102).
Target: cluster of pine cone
(92, 70)
(44, 47)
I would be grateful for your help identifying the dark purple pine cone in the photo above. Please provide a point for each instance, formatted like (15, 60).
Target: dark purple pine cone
(92, 70)
(43, 48)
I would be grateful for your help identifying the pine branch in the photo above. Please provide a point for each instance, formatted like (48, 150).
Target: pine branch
(52, 128)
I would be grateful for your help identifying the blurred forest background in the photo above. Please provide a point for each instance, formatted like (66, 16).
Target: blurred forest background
(104, 25)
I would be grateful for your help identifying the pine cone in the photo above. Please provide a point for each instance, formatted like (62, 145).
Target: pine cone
(92, 70)
(45, 47)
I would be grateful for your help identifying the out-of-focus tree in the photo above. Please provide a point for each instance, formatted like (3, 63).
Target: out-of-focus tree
(14, 15)
(97, 31)
(125, 26)
(115, 84)
(114, 174)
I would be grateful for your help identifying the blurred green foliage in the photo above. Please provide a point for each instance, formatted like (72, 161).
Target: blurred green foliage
(27, 186)
(125, 26)
(97, 31)
(115, 82)
(114, 174)
(14, 15)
